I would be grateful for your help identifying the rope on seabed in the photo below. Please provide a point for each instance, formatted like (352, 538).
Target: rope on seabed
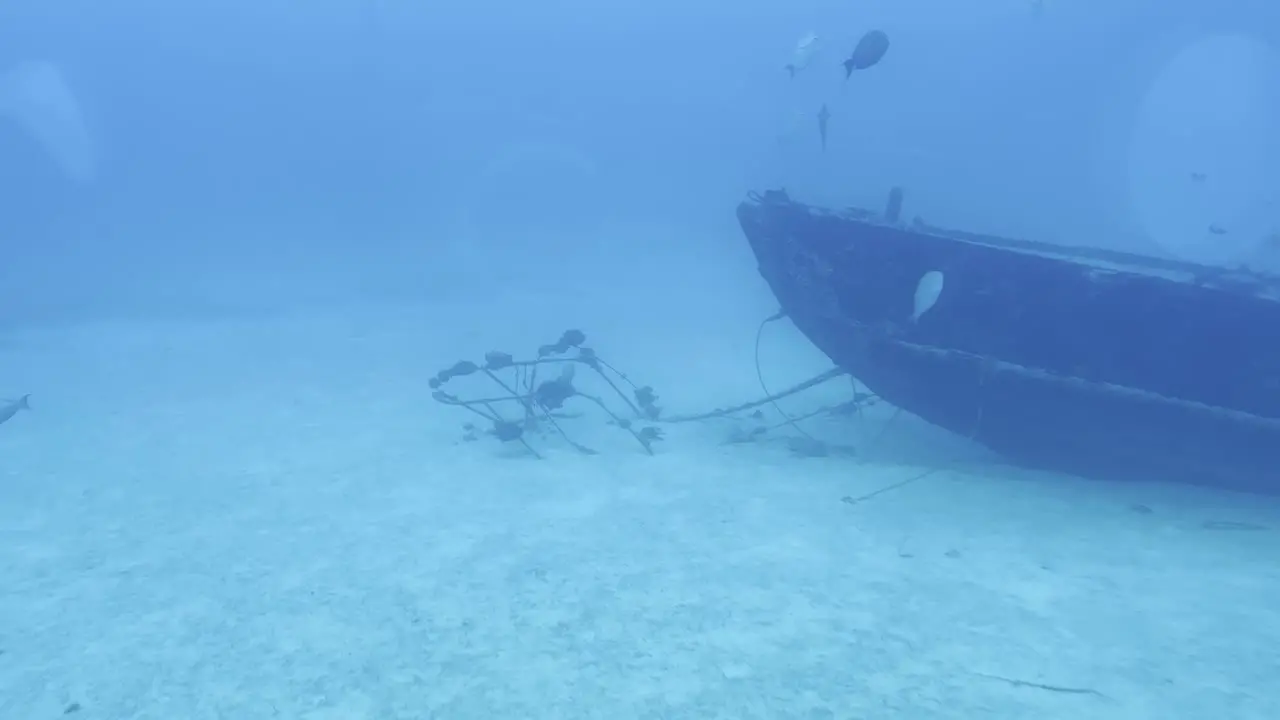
(765, 389)
(801, 387)
(769, 398)
(849, 500)
(1042, 686)
(772, 398)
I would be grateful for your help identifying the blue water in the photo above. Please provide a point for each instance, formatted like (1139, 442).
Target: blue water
(237, 240)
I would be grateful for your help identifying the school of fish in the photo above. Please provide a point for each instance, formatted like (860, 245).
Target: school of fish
(867, 53)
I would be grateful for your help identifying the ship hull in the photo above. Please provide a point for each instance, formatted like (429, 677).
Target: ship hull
(1096, 363)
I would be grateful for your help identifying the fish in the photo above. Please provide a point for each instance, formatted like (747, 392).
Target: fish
(868, 52)
(927, 292)
(801, 56)
(823, 116)
(12, 407)
(1198, 177)
(1217, 229)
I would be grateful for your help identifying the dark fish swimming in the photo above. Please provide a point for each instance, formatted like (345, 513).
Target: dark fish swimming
(12, 407)
(868, 52)
(823, 116)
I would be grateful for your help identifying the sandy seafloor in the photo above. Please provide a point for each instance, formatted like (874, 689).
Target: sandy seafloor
(269, 518)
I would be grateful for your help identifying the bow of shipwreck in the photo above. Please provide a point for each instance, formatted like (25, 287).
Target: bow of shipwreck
(1091, 362)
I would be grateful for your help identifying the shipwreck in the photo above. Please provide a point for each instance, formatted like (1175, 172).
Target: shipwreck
(1097, 363)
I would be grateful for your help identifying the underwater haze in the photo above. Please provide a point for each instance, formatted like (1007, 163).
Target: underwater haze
(252, 252)
(255, 155)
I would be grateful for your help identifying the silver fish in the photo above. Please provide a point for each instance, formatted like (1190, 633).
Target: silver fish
(12, 407)
(804, 51)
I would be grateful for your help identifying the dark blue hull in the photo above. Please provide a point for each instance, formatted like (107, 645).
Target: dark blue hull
(1091, 362)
